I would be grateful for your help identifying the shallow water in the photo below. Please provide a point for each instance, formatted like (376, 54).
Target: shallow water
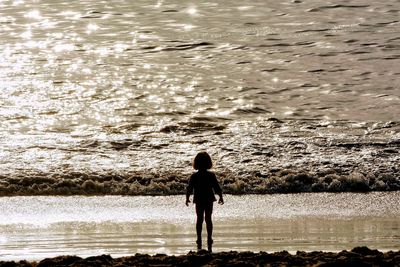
(39, 227)
(114, 88)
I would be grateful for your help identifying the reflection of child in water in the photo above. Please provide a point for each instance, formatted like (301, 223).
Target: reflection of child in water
(204, 184)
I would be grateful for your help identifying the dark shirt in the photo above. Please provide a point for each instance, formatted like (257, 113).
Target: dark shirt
(204, 184)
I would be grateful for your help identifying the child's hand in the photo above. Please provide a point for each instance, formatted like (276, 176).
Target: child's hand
(187, 202)
(221, 201)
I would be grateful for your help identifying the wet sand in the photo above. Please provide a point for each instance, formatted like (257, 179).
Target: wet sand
(359, 256)
(34, 228)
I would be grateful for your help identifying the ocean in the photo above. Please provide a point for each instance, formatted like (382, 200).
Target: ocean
(115, 97)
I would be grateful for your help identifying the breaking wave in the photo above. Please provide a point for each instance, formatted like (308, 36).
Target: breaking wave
(261, 157)
(284, 181)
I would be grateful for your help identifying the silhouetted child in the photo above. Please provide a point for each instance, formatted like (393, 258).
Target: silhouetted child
(204, 185)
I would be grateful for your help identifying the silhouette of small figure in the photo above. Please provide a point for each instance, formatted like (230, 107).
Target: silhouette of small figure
(203, 184)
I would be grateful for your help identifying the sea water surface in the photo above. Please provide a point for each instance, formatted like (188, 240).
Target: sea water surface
(38, 227)
(113, 89)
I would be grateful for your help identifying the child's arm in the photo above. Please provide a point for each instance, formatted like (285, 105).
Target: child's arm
(221, 199)
(218, 190)
(187, 199)
(189, 191)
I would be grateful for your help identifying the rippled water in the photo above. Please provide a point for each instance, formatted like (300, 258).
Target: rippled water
(114, 87)
(39, 227)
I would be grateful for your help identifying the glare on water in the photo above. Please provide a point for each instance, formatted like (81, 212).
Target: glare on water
(87, 72)
(38, 227)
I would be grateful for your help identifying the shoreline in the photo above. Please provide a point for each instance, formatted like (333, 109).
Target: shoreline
(358, 256)
(34, 228)
(183, 194)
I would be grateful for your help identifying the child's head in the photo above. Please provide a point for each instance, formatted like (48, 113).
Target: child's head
(202, 161)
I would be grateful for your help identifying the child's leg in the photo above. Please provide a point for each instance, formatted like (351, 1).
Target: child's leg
(208, 213)
(199, 223)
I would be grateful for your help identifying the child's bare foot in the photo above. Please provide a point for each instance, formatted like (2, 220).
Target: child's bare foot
(209, 245)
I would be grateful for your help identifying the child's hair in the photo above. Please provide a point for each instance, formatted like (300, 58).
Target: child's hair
(202, 161)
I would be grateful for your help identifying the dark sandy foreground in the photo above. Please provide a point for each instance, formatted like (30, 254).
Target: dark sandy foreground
(359, 256)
